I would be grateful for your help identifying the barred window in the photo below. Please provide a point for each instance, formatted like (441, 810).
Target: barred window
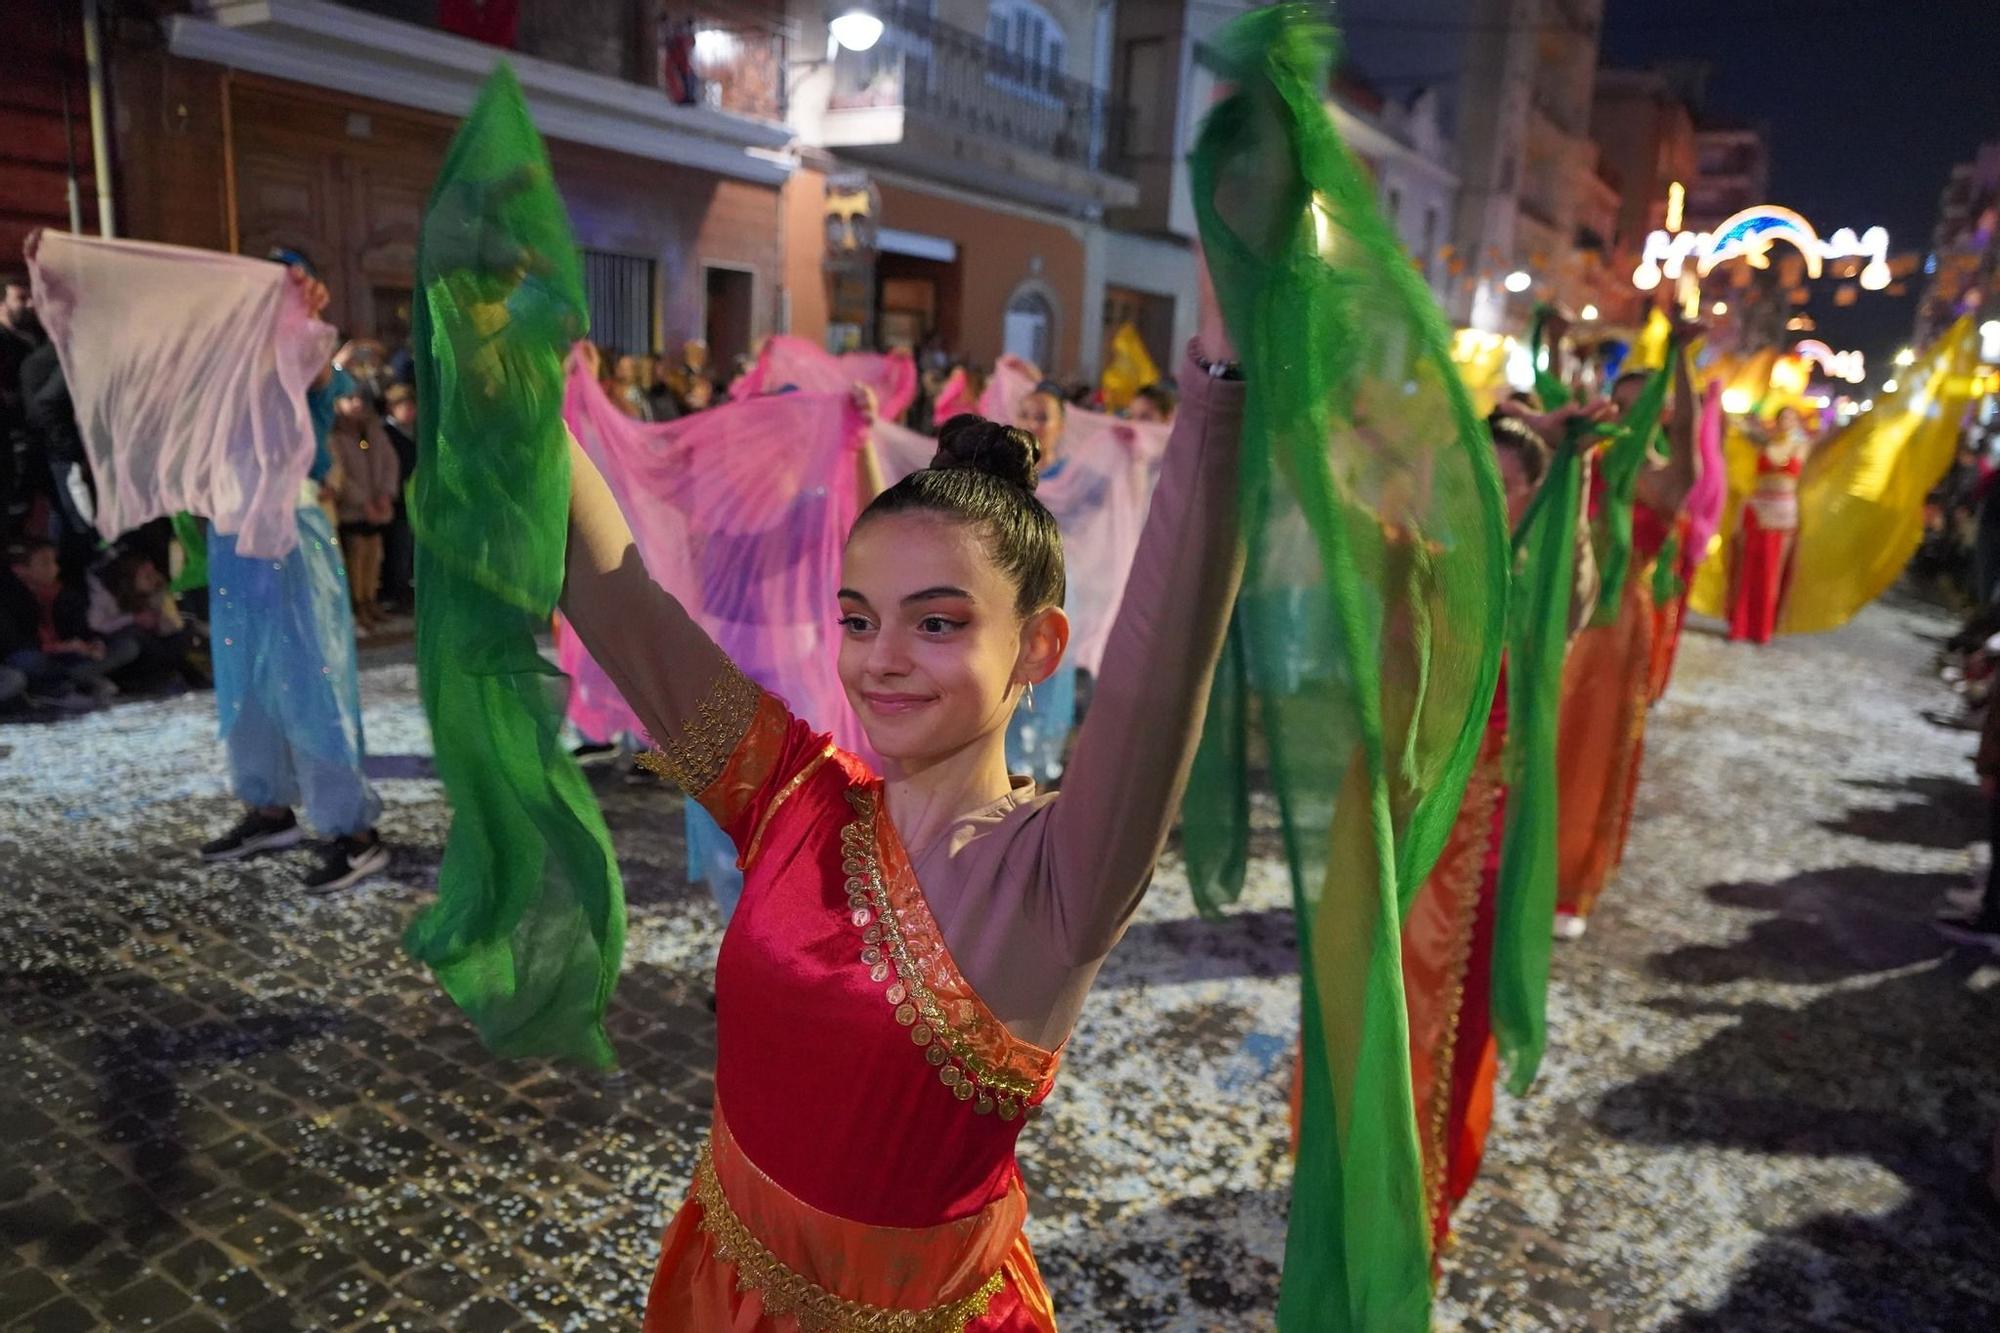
(619, 292)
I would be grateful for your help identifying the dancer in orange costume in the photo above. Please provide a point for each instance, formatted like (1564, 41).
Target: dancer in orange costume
(1607, 679)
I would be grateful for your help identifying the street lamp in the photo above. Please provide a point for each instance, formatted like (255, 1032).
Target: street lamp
(1518, 281)
(856, 25)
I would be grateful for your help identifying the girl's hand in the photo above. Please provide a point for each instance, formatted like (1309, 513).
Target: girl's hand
(311, 290)
(1552, 426)
(863, 400)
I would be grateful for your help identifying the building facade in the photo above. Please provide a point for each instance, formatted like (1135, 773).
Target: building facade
(979, 140)
(1404, 147)
(243, 126)
(1645, 133)
(1732, 173)
(1512, 84)
(1962, 268)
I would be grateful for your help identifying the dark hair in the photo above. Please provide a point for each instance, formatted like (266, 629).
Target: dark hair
(984, 474)
(22, 549)
(1053, 390)
(1161, 397)
(120, 577)
(1639, 375)
(1516, 435)
(14, 278)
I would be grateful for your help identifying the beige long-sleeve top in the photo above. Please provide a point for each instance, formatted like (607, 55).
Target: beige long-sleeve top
(1030, 891)
(369, 468)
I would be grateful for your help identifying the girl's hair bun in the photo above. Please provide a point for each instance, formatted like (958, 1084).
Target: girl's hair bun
(978, 445)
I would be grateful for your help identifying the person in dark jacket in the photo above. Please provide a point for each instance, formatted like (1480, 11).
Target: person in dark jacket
(52, 421)
(399, 422)
(45, 631)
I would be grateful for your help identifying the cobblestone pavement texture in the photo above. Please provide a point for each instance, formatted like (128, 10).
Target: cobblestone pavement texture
(225, 1103)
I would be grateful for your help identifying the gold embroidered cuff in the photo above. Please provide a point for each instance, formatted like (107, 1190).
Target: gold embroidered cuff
(695, 759)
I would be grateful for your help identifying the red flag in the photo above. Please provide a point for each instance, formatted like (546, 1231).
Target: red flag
(491, 21)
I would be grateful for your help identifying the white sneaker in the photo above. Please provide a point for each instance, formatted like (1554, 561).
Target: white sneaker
(1570, 926)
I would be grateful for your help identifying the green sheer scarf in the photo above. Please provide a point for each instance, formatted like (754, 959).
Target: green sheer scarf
(1538, 641)
(1632, 446)
(1366, 636)
(528, 927)
(193, 538)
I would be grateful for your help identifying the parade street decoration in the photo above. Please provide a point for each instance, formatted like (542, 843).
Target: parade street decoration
(1749, 236)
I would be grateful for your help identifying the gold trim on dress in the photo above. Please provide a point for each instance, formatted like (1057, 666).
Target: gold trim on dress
(976, 1058)
(785, 793)
(697, 757)
(1462, 876)
(786, 1292)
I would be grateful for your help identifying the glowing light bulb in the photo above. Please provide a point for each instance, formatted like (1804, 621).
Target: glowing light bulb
(1737, 401)
(1647, 276)
(857, 28)
(1890, 386)
(1518, 281)
(1589, 312)
(1906, 357)
(1867, 404)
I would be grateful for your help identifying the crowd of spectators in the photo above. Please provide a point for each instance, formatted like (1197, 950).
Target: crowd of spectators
(83, 619)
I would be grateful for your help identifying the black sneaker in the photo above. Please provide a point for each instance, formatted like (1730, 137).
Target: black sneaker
(593, 750)
(1971, 930)
(348, 861)
(255, 832)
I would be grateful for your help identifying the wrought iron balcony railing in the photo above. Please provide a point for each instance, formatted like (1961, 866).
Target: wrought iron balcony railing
(697, 54)
(976, 86)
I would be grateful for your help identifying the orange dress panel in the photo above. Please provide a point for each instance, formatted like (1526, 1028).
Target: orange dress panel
(1607, 681)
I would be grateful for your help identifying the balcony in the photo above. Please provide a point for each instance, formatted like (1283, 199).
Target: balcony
(585, 88)
(957, 106)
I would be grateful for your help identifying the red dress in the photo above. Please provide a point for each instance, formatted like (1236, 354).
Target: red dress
(1447, 950)
(860, 1172)
(1770, 522)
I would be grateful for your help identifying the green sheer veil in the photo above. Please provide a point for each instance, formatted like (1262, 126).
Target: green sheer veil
(1364, 647)
(529, 923)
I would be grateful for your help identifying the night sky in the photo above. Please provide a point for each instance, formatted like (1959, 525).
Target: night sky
(1867, 107)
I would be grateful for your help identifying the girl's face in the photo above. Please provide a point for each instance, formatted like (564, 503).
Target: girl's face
(1042, 417)
(146, 579)
(1515, 484)
(933, 654)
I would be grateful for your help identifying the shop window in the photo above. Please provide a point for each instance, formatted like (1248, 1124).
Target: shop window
(618, 289)
(1028, 329)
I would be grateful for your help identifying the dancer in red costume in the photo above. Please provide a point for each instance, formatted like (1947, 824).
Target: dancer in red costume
(912, 947)
(1769, 528)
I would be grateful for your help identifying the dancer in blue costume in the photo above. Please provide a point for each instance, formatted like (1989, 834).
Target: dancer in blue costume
(285, 679)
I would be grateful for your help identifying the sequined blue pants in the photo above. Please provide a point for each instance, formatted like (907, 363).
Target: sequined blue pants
(286, 686)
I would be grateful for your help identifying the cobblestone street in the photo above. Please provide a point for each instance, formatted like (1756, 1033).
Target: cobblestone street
(228, 1104)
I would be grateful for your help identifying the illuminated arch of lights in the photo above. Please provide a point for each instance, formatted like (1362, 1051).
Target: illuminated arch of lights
(1849, 366)
(1749, 236)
